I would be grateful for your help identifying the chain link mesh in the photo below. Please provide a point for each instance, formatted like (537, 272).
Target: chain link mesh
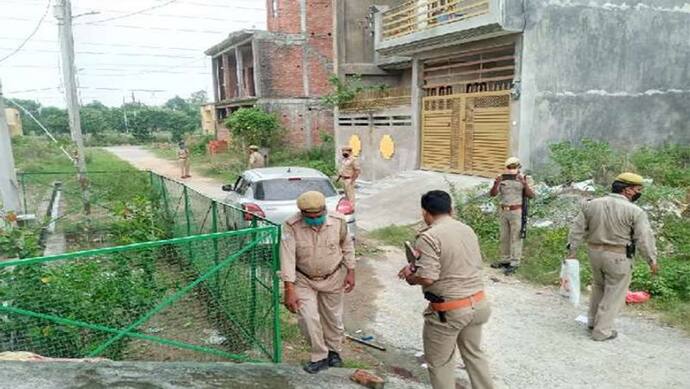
(207, 292)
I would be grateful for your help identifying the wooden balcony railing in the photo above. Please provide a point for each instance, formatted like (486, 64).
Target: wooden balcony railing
(376, 99)
(419, 15)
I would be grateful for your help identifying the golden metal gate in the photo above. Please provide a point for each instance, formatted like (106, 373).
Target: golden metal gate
(466, 133)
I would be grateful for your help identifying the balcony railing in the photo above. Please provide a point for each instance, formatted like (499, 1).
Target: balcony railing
(419, 15)
(369, 100)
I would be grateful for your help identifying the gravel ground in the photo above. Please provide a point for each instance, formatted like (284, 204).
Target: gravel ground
(533, 340)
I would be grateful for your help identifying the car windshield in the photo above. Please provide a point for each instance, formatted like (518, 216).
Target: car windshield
(290, 189)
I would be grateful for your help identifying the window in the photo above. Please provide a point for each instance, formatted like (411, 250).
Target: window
(241, 186)
(274, 8)
(290, 189)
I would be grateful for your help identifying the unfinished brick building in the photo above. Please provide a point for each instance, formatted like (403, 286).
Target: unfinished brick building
(284, 70)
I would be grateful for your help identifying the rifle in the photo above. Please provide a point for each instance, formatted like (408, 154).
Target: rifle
(412, 255)
(525, 210)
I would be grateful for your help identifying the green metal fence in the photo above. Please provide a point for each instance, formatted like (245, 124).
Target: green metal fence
(208, 291)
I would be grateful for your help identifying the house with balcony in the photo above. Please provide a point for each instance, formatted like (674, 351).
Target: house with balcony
(489, 79)
(283, 70)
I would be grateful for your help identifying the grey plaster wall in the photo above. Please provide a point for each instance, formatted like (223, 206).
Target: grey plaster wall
(604, 69)
(374, 166)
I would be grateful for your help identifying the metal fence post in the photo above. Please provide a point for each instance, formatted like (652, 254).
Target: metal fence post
(214, 228)
(277, 337)
(189, 224)
(23, 184)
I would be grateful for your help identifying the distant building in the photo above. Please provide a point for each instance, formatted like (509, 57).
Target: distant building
(14, 121)
(284, 70)
(208, 121)
(491, 78)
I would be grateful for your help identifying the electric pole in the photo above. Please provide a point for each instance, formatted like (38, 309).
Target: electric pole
(63, 13)
(8, 177)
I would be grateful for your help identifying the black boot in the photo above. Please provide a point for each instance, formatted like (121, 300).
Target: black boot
(315, 367)
(334, 359)
(510, 269)
(499, 265)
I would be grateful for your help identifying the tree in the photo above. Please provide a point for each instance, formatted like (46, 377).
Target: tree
(28, 124)
(55, 119)
(177, 103)
(255, 126)
(198, 98)
(93, 120)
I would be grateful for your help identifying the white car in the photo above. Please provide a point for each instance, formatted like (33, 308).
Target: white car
(272, 193)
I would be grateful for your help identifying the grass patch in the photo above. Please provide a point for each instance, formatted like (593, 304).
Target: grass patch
(39, 154)
(355, 364)
(393, 235)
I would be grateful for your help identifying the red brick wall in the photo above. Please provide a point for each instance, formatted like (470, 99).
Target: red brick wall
(288, 20)
(281, 69)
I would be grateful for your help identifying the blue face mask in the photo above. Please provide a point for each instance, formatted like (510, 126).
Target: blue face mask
(315, 221)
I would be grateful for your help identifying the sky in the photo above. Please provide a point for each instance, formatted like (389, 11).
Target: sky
(155, 54)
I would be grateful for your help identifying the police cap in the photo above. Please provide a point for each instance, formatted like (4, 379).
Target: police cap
(512, 161)
(630, 178)
(311, 202)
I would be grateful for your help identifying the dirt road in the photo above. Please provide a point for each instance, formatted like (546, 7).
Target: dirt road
(532, 339)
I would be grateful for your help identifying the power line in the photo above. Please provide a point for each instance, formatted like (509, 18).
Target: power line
(131, 13)
(111, 44)
(110, 53)
(28, 38)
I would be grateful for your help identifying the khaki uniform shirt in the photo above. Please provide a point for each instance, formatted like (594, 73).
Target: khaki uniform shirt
(256, 160)
(182, 154)
(315, 253)
(612, 220)
(511, 192)
(450, 256)
(348, 167)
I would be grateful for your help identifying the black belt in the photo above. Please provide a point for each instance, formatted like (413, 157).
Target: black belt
(320, 278)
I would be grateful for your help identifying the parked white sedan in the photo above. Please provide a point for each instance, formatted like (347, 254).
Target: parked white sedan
(272, 193)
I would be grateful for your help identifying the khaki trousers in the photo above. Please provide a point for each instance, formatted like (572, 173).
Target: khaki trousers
(464, 329)
(349, 187)
(511, 244)
(321, 313)
(184, 167)
(611, 274)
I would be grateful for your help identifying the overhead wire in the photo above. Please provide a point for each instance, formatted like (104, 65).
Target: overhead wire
(131, 13)
(31, 35)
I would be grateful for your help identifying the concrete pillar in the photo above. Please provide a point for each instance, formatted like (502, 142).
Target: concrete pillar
(9, 189)
(257, 69)
(378, 29)
(239, 63)
(227, 86)
(416, 105)
(214, 74)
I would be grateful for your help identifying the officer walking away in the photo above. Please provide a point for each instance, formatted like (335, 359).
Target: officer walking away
(349, 172)
(256, 160)
(513, 189)
(317, 268)
(183, 160)
(613, 227)
(449, 269)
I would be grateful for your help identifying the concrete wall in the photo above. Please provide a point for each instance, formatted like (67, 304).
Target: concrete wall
(303, 119)
(355, 29)
(605, 69)
(374, 166)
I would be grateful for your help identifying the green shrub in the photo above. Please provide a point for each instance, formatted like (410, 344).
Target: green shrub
(578, 162)
(668, 165)
(255, 126)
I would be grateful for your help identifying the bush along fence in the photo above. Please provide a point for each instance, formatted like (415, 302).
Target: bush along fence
(167, 274)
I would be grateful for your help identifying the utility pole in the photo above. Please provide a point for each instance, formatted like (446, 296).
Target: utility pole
(8, 176)
(63, 13)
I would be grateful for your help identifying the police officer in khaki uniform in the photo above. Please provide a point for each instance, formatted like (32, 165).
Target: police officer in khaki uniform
(612, 226)
(349, 172)
(317, 268)
(449, 269)
(183, 159)
(256, 160)
(510, 187)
